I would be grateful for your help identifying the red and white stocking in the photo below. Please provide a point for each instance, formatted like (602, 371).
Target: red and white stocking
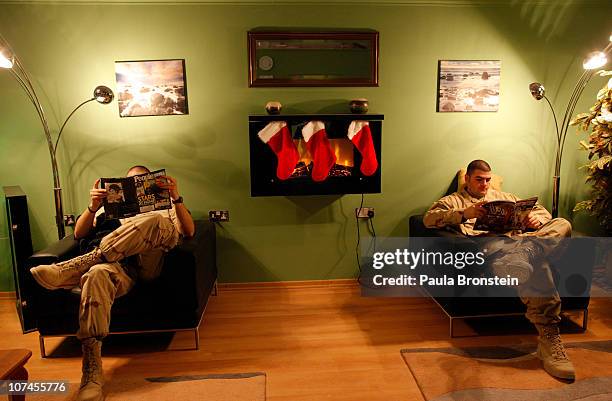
(277, 136)
(359, 133)
(318, 146)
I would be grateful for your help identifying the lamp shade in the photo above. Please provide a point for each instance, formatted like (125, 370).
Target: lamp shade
(537, 90)
(103, 94)
(5, 62)
(594, 60)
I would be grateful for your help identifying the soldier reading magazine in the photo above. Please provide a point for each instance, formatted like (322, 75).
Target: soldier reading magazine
(118, 252)
(519, 254)
(140, 193)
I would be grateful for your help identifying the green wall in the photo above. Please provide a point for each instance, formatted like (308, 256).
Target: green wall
(69, 49)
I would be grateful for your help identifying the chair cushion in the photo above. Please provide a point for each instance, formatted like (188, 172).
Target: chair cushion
(496, 180)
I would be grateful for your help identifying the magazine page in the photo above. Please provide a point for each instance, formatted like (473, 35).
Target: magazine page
(522, 210)
(121, 197)
(498, 218)
(129, 196)
(150, 195)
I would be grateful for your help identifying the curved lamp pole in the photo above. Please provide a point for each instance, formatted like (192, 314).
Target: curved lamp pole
(593, 60)
(102, 94)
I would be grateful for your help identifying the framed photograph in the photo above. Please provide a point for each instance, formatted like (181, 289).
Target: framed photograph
(295, 58)
(468, 85)
(151, 88)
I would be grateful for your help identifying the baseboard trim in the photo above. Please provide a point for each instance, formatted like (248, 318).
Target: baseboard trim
(257, 285)
(8, 295)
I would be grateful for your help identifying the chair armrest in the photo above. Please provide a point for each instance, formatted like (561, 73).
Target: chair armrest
(58, 250)
(194, 260)
(417, 229)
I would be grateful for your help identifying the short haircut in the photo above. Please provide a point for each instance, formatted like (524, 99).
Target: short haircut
(477, 165)
(115, 187)
(138, 167)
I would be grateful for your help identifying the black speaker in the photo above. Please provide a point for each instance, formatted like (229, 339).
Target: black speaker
(21, 248)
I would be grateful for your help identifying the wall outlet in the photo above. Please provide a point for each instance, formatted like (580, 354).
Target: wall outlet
(218, 215)
(364, 212)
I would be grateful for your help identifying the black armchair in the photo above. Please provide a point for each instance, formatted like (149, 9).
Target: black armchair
(475, 307)
(175, 301)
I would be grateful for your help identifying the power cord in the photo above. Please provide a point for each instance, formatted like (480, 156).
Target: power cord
(371, 220)
(372, 232)
(358, 236)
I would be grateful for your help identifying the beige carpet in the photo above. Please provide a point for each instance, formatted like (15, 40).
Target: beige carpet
(217, 387)
(509, 373)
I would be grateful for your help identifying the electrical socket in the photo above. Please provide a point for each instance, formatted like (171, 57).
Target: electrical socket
(218, 215)
(364, 212)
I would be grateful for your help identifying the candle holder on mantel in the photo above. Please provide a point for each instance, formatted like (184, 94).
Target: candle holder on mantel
(273, 107)
(359, 106)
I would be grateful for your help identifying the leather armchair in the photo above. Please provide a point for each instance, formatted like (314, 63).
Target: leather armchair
(579, 259)
(175, 301)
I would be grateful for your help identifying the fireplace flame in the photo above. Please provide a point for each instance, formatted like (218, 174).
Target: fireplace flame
(342, 148)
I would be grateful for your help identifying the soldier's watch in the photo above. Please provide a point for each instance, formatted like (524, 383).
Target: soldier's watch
(177, 200)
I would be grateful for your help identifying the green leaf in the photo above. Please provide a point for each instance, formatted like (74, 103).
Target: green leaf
(579, 118)
(603, 92)
(601, 163)
(584, 145)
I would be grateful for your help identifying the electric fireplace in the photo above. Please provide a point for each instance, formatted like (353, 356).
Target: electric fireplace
(315, 154)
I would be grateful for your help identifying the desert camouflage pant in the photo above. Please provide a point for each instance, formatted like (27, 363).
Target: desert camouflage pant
(149, 236)
(539, 293)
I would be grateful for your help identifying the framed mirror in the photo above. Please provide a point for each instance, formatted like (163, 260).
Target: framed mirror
(328, 58)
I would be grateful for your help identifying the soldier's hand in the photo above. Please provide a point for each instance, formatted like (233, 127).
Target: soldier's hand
(475, 210)
(96, 196)
(531, 221)
(171, 185)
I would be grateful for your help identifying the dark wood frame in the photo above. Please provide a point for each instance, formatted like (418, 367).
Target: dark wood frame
(254, 35)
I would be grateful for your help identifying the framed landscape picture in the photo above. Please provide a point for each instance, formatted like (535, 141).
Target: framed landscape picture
(468, 85)
(151, 88)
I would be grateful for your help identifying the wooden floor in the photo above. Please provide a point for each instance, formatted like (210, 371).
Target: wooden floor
(319, 343)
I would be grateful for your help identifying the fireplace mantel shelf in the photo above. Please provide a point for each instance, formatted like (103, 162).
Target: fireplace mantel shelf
(290, 118)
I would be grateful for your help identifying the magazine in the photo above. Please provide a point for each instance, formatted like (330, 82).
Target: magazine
(129, 196)
(505, 215)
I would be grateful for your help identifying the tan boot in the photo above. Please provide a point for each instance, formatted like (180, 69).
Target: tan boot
(552, 353)
(92, 379)
(518, 263)
(65, 274)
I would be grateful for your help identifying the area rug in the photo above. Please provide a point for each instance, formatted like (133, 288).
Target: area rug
(212, 387)
(509, 373)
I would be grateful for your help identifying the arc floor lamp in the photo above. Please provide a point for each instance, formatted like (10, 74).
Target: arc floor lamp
(101, 94)
(593, 61)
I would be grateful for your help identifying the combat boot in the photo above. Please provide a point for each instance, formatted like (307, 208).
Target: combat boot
(552, 353)
(518, 263)
(66, 274)
(92, 379)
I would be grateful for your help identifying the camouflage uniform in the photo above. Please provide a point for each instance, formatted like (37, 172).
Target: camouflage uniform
(538, 293)
(148, 236)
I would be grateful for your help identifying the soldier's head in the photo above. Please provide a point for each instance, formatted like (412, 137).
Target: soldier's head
(478, 178)
(136, 170)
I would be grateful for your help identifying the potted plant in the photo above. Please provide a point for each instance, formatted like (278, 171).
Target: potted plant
(598, 122)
